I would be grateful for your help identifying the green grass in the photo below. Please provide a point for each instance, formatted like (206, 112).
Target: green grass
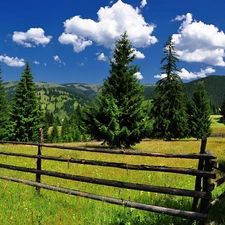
(20, 204)
(217, 127)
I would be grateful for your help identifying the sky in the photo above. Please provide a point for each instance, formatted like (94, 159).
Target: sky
(72, 41)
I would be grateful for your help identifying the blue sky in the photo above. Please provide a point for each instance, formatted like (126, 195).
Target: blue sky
(71, 41)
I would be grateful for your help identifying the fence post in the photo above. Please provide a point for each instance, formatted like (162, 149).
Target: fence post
(206, 186)
(38, 176)
(198, 180)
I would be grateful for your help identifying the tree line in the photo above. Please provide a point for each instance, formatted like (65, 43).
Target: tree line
(120, 116)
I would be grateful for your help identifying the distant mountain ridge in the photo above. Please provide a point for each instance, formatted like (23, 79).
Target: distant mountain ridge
(62, 98)
(215, 88)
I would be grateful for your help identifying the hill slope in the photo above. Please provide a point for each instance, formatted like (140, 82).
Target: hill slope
(61, 99)
(214, 85)
(56, 98)
(215, 88)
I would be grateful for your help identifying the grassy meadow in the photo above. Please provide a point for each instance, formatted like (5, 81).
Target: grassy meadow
(20, 205)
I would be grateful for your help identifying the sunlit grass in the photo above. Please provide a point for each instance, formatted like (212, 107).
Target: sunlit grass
(21, 205)
(216, 126)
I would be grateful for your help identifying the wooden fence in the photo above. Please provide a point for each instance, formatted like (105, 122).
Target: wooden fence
(202, 197)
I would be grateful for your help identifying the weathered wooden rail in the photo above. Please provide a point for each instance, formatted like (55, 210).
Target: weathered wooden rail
(202, 198)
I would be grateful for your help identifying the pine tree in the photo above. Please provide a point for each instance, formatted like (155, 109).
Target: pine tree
(118, 116)
(54, 135)
(169, 107)
(27, 116)
(199, 119)
(4, 112)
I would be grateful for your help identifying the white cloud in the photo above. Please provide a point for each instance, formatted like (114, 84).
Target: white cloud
(138, 54)
(143, 3)
(179, 18)
(199, 42)
(160, 76)
(80, 64)
(102, 57)
(58, 60)
(31, 38)
(79, 43)
(186, 75)
(36, 62)
(12, 61)
(138, 75)
(112, 22)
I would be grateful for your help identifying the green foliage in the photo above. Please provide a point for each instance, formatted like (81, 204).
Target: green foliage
(199, 113)
(26, 117)
(66, 97)
(169, 108)
(73, 129)
(214, 86)
(118, 116)
(4, 112)
(54, 135)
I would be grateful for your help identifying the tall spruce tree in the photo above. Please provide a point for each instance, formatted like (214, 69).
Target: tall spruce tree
(199, 113)
(169, 107)
(27, 116)
(4, 112)
(118, 116)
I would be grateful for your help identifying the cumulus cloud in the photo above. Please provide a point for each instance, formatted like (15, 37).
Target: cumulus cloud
(143, 3)
(199, 42)
(58, 60)
(179, 17)
(102, 57)
(36, 62)
(112, 22)
(12, 61)
(138, 54)
(186, 75)
(138, 75)
(31, 38)
(160, 76)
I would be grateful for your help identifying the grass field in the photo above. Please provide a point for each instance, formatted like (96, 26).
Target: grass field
(217, 127)
(20, 205)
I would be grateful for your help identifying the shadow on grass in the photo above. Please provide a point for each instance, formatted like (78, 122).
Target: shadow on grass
(217, 212)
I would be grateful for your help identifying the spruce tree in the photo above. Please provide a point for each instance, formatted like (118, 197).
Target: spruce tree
(27, 116)
(169, 107)
(199, 116)
(118, 116)
(54, 135)
(4, 112)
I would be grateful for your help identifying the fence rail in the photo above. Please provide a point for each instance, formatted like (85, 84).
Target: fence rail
(202, 200)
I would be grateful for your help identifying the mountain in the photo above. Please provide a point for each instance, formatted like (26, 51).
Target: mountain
(61, 99)
(215, 88)
(214, 85)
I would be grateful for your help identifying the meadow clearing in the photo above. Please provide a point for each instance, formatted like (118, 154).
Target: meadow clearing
(20, 204)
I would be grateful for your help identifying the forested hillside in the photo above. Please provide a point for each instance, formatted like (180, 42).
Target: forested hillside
(61, 99)
(215, 88)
